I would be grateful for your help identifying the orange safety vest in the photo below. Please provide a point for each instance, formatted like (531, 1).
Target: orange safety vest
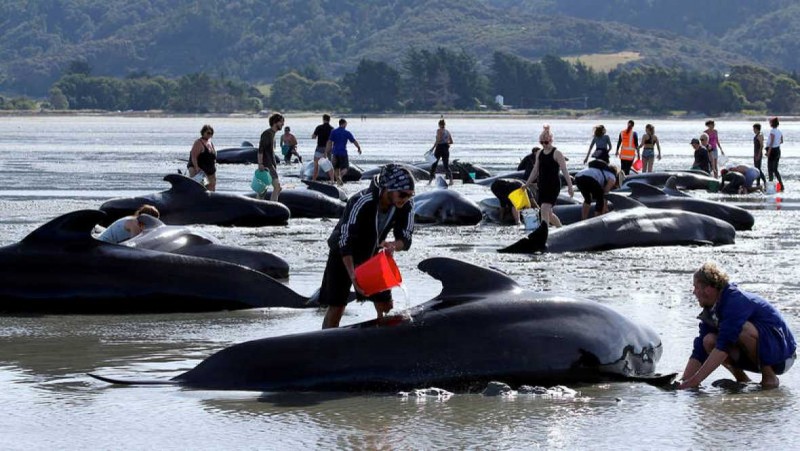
(628, 149)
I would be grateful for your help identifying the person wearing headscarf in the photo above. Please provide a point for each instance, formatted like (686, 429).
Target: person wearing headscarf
(386, 205)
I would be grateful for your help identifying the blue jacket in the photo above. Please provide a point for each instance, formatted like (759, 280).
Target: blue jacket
(727, 317)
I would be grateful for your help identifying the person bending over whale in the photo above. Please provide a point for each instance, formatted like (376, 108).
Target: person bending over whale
(501, 188)
(739, 330)
(594, 183)
(128, 227)
(361, 232)
(739, 179)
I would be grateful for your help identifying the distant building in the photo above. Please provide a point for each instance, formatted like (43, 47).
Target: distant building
(498, 99)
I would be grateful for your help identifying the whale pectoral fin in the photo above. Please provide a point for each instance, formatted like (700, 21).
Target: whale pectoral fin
(114, 381)
(656, 380)
(461, 278)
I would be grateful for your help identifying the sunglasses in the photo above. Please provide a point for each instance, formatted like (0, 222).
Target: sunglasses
(405, 194)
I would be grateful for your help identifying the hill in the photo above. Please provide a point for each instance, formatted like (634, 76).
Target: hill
(256, 40)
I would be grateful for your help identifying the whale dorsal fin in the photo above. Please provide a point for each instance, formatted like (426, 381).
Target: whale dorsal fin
(671, 187)
(183, 184)
(247, 144)
(460, 278)
(76, 225)
(640, 189)
(622, 202)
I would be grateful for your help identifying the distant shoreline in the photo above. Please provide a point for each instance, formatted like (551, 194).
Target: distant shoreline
(510, 114)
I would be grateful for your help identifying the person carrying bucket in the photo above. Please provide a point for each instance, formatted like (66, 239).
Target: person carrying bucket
(361, 233)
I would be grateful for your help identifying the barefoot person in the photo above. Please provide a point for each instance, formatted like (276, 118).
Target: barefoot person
(361, 232)
(739, 330)
(266, 153)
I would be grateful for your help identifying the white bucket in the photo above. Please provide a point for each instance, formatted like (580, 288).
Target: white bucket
(324, 164)
(530, 218)
(429, 158)
(771, 188)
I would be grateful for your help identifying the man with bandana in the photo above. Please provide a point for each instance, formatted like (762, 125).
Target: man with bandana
(361, 232)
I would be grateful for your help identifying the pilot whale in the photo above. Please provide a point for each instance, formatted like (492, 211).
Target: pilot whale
(445, 207)
(60, 268)
(189, 241)
(482, 327)
(188, 202)
(636, 227)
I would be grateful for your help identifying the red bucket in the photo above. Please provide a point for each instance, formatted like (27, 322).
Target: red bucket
(637, 165)
(377, 274)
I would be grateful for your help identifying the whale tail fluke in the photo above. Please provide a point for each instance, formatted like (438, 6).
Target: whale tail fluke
(536, 241)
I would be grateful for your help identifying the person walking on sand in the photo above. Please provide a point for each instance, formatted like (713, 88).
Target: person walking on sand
(738, 330)
(441, 150)
(266, 153)
(337, 148)
(545, 173)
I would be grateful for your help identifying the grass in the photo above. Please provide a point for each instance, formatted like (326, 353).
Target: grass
(605, 62)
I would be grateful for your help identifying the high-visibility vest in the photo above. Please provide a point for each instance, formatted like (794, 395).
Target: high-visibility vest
(628, 149)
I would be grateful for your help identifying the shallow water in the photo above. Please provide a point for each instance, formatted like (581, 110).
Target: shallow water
(55, 165)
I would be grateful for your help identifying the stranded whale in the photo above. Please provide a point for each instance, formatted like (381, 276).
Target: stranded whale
(482, 327)
(60, 268)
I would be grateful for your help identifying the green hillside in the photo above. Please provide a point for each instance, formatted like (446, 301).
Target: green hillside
(257, 40)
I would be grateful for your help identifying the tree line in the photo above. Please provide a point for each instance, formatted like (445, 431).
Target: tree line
(437, 80)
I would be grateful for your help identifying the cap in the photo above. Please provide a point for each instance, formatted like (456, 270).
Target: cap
(694, 141)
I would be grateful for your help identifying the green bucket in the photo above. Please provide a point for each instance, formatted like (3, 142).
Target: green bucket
(713, 186)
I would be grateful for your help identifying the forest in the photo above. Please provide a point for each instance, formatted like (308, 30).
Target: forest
(442, 80)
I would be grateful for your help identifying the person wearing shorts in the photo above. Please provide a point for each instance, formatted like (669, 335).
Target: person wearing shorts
(321, 134)
(337, 148)
(739, 330)
(361, 232)
(593, 184)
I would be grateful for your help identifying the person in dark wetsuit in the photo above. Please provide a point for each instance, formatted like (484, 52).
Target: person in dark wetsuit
(545, 173)
(203, 157)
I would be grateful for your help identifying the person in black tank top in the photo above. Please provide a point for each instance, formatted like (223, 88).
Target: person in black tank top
(545, 172)
(203, 157)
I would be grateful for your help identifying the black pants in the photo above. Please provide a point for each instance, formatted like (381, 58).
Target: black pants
(625, 165)
(757, 165)
(772, 165)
